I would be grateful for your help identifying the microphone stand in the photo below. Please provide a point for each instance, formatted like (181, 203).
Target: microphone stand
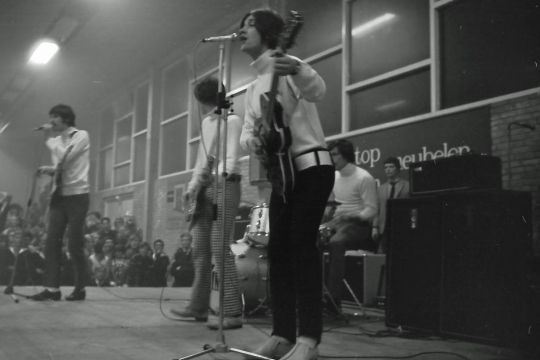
(222, 109)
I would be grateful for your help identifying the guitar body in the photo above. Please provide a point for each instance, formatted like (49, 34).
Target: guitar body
(194, 209)
(276, 140)
(273, 132)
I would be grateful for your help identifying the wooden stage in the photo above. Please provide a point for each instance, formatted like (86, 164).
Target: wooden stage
(135, 324)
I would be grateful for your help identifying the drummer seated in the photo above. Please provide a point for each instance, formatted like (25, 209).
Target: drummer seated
(351, 226)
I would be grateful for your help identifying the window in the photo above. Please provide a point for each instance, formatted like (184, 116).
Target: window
(105, 168)
(175, 90)
(393, 100)
(123, 140)
(322, 26)
(330, 107)
(139, 160)
(173, 145)
(106, 127)
(141, 107)
(387, 35)
(488, 48)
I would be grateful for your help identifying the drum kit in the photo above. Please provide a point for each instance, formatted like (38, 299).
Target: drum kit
(251, 261)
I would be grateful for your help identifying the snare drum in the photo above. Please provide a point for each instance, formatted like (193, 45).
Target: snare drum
(252, 270)
(259, 227)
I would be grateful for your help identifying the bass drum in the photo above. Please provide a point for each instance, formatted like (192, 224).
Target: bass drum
(252, 268)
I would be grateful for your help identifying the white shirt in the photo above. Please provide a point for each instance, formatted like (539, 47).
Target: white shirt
(297, 94)
(76, 164)
(208, 135)
(356, 191)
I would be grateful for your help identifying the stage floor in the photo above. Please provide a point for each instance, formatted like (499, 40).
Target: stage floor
(135, 324)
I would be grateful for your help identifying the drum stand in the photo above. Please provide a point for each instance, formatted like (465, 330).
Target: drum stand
(221, 346)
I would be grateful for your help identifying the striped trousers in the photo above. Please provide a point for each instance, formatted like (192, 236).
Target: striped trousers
(208, 243)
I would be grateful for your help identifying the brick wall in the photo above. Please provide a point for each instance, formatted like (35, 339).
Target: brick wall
(519, 149)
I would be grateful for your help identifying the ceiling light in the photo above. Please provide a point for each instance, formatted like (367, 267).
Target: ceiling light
(44, 52)
(371, 25)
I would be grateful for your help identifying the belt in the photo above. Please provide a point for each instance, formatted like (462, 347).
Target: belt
(312, 158)
(234, 178)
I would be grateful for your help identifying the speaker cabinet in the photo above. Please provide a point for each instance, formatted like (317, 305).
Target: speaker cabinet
(364, 273)
(466, 172)
(413, 263)
(457, 263)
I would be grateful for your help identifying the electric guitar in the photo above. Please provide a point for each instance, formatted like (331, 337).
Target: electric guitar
(274, 134)
(193, 209)
(56, 183)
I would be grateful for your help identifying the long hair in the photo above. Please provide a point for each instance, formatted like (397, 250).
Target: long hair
(268, 23)
(64, 112)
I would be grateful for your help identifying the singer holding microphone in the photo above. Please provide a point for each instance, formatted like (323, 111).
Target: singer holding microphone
(69, 202)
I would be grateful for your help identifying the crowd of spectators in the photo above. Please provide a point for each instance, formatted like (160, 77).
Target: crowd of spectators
(117, 254)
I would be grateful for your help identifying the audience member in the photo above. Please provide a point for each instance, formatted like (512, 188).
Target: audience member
(106, 231)
(140, 266)
(394, 187)
(182, 266)
(160, 265)
(119, 267)
(5, 255)
(92, 222)
(101, 266)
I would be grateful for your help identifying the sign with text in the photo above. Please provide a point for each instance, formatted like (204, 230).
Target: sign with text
(445, 136)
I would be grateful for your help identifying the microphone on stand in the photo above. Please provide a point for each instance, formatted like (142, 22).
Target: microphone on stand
(43, 127)
(230, 37)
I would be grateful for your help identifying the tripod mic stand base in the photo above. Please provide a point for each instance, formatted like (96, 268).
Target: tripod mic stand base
(222, 348)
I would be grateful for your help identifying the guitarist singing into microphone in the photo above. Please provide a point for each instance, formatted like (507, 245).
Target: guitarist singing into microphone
(199, 196)
(69, 201)
(283, 129)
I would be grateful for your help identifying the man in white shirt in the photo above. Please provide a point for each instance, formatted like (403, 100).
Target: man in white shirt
(206, 229)
(356, 192)
(69, 201)
(295, 213)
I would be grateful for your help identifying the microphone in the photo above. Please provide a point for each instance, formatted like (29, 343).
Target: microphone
(43, 127)
(230, 37)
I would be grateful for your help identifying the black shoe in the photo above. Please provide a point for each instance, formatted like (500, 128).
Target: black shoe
(76, 295)
(47, 295)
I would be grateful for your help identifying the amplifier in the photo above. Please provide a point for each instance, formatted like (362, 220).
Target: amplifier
(465, 172)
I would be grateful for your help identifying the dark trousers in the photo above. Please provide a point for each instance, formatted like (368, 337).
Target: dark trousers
(294, 258)
(66, 211)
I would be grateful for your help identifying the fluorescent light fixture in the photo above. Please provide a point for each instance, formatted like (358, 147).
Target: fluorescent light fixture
(44, 52)
(391, 105)
(371, 25)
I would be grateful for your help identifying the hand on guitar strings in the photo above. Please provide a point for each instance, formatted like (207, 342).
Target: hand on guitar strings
(285, 64)
(46, 170)
(255, 145)
(188, 196)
